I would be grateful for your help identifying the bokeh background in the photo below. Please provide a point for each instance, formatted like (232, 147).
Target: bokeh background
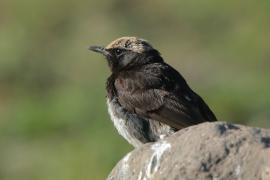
(53, 118)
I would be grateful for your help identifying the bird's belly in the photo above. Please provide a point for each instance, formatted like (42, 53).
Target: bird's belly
(124, 126)
(136, 130)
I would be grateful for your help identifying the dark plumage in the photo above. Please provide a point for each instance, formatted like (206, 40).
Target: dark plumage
(147, 98)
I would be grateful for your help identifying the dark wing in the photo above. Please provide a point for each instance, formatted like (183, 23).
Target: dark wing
(159, 92)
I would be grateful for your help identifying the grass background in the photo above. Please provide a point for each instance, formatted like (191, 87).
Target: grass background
(53, 119)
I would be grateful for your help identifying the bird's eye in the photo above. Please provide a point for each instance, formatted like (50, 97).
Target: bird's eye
(118, 51)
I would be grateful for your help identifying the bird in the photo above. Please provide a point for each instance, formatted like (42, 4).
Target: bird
(147, 98)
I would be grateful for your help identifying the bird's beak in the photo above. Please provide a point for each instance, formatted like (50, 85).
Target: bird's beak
(99, 49)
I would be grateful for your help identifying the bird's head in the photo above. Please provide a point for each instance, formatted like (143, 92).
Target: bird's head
(128, 52)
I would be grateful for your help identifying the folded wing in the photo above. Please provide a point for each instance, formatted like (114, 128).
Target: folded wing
(159, 92)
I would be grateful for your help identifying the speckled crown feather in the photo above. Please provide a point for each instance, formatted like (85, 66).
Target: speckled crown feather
(131, 43)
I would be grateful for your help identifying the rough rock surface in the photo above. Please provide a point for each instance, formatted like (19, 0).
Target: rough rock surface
(214, 151)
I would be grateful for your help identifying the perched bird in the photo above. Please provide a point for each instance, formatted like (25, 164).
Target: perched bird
(148, 99)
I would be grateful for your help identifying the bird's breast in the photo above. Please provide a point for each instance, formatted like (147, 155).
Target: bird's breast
(120, 83)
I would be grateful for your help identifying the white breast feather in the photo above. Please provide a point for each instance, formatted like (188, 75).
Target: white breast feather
(121, 126)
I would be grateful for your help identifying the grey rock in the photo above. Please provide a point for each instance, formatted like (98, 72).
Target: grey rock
(211, 151)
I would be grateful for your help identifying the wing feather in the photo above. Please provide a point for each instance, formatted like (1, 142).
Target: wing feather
(159, 92)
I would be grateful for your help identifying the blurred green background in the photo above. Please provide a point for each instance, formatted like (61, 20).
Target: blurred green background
(53, 118)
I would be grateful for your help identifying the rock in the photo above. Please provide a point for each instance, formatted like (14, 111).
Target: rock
(214, 151)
